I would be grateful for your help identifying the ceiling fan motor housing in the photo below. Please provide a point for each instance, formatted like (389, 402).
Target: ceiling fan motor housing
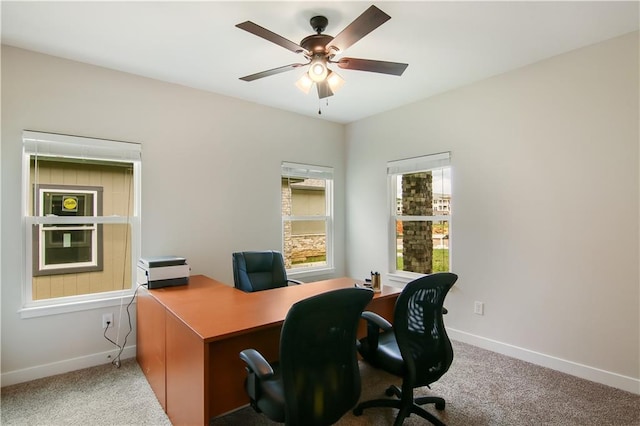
(316, 43)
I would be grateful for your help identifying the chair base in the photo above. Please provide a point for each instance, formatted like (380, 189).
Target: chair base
(405, 407)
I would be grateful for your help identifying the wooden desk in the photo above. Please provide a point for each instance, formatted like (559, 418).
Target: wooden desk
(189, 339)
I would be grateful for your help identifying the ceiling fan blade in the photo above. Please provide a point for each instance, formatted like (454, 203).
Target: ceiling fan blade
(324, 91)
(393, 68)
(273, 71)
(370, 19)
(270, 36)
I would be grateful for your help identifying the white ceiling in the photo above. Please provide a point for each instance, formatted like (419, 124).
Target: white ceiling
(196, 44)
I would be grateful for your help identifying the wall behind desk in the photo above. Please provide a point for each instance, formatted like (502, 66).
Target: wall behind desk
(210, 180)
(545, 218)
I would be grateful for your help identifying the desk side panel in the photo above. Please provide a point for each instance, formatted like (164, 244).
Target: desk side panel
(150, 343)
(227, 372)
(186, 395)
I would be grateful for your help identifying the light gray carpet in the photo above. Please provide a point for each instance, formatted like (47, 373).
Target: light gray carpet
(481, 388)
(103, 395)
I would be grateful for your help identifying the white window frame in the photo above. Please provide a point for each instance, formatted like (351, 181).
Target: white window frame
(407, 166)
(42, 229)
(53, 145)
(299, 170)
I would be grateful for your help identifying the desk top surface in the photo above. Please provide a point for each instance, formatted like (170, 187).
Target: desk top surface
(214, 310)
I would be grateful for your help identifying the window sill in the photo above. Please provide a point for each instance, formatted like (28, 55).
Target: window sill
(400, 279)
(41, 309)
(306, 273)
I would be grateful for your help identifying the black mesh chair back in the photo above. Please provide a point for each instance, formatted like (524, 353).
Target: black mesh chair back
(258, 270)
(317, 380)
(416, 347)
(419, 328)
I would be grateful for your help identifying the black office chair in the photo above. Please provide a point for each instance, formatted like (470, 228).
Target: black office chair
(415, 348)
(317, 379)
(259, 270)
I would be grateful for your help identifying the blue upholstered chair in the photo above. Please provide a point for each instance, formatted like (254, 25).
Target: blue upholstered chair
(259, 270)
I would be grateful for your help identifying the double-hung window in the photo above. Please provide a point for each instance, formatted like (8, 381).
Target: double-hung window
(81, 204)
(420, 214)
(307, 217)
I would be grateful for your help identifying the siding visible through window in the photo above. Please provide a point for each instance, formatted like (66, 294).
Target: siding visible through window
(307, 217)
(81, 199)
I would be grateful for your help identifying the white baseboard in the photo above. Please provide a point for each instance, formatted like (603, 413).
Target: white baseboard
(54, 368)
(608, 378)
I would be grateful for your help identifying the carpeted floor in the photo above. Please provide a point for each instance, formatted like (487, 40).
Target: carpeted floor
(103, 395)
(481, 388)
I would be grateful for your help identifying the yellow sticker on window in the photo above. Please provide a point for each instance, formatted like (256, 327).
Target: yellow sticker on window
(69, 204)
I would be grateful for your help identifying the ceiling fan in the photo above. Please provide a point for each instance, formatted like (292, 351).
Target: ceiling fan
(320, 49)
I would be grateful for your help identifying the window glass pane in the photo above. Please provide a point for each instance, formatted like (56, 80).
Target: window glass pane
(307, 196)
(305, 243)
(62, 246)
(422, 246)
(115, 178)
(116, 275)
(424, 193)
(306, 216)
(68, 187)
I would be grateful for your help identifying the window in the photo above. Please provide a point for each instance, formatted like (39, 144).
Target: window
(420, 205)
(307, 214)
(63, 248)
(81, 201)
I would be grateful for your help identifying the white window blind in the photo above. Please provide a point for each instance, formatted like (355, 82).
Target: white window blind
(418, 164)
(306, 171)
(65, 146)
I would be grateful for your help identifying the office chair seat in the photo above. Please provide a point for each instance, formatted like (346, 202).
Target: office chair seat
(386, 356)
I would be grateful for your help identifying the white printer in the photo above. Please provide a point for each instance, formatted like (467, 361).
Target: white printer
(163, 271)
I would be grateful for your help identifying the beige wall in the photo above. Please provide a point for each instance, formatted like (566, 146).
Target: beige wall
(561, 287)
(198, 150)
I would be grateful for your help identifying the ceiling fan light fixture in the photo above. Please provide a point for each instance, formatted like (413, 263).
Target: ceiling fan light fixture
(318, 69)
(304, 83)
(335, 81)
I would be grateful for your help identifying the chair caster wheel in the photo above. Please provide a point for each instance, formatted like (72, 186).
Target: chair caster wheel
(357, 411)
(440, 406)
(389, 392)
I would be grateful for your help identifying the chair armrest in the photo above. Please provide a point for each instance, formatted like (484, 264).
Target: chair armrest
(375, 319)
(294, 281)
(256, 363)
(375, 323)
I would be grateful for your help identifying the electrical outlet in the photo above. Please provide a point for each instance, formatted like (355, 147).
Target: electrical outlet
(478, 308)
(107, 318)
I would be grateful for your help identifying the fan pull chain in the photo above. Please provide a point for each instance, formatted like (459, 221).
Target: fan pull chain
(320, 105)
